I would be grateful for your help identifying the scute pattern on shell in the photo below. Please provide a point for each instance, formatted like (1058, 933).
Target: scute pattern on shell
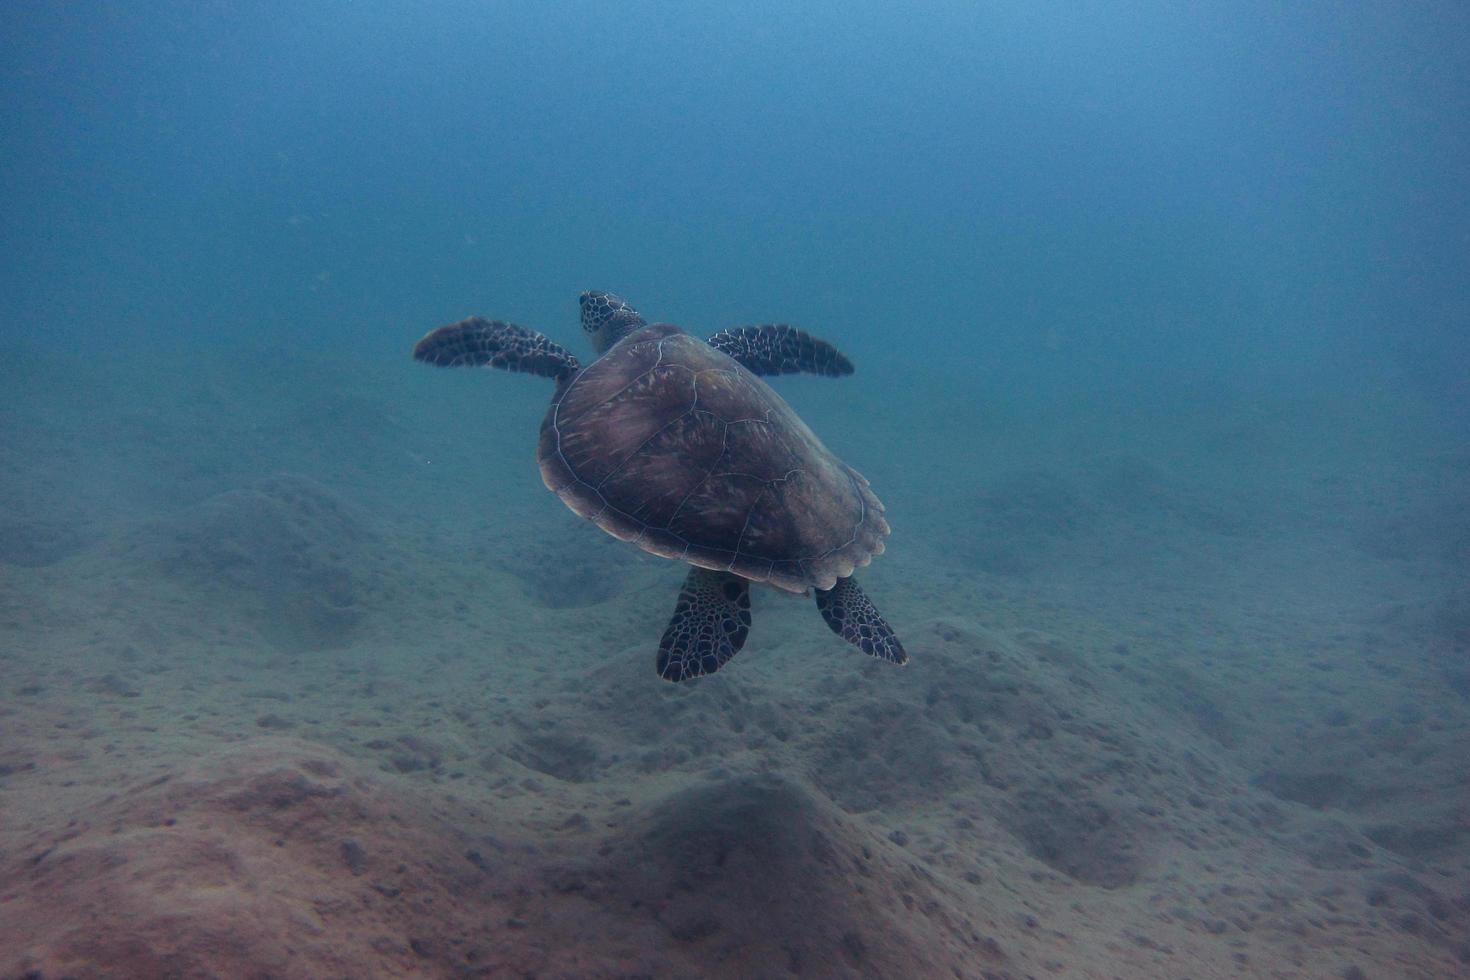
(671, 444)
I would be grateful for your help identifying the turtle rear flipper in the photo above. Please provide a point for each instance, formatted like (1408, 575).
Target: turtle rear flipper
(711, 621)
(478, 342)
(852, 616)
(776, 348)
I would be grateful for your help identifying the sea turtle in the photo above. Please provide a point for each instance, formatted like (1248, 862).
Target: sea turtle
(675, 444)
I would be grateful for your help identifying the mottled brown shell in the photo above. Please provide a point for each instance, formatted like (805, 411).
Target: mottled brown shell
(673, 445)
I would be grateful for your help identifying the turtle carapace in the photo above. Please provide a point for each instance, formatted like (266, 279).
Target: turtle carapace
(676, 444)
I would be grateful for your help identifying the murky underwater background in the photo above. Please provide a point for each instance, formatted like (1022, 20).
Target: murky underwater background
(1160, 318)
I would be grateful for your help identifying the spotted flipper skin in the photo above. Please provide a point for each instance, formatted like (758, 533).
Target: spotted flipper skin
(775, 348)
(852, 616)
(478, 342)
(711, 621)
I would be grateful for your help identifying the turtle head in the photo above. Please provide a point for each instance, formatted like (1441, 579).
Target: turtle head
(607, 318)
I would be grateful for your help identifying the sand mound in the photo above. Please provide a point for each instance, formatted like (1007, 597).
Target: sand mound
(37, 543)
(570, 564)
(758, 875)
(288, 552)
(282, 858)
(275, 859)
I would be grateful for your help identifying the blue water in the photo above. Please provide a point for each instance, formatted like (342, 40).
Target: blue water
(1222, 192)
(1161, 318)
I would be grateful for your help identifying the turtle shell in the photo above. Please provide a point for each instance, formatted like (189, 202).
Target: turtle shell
(675, 446)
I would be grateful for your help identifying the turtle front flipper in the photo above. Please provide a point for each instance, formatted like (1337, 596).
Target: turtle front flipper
(711, 621)
(776, 348)
(478, 342)
(852, 616)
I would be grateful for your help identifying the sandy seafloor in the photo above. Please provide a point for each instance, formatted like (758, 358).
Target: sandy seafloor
(304, 674)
